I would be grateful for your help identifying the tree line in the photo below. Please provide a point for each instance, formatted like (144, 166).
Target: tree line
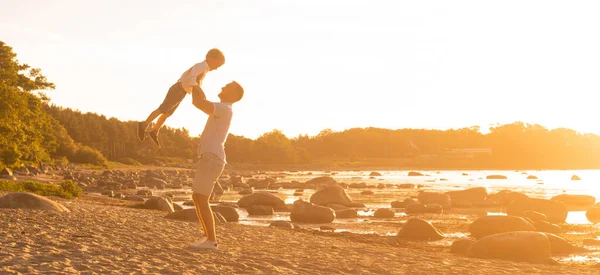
(32, 130)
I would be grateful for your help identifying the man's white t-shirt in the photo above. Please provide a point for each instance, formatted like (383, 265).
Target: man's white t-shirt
(216, 130)
(194, 76)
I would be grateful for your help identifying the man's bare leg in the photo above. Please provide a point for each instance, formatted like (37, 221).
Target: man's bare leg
(201, 202)
(197, 207)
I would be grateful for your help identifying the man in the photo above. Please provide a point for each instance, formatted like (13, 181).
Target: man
(212, 155)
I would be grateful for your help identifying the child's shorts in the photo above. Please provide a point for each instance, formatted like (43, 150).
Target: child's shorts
(174, 97)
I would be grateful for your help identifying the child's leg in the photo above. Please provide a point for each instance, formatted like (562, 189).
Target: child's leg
(159, 123)
(153, 116)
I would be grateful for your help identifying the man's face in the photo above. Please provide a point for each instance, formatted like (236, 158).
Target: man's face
(226, 92)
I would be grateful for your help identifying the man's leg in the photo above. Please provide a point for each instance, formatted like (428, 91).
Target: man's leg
(206, 214)
(197, 207)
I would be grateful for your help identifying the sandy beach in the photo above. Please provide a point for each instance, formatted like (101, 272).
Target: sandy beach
(104, 236)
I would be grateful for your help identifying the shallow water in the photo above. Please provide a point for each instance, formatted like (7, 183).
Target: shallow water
(548, 184)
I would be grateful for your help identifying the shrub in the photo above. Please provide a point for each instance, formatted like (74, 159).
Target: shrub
(67, 189)
(86, 154)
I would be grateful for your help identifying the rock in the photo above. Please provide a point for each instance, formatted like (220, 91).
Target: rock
(576, 202)
(532, 177)
(505, 197)
(228, 212)
(146, 193)
(544, 226)
(219, 218)
(471, 194)
(575, 177)
(555, 211)
(246, 191)
(461, 246)
(6, 173)
(346, 214)
(260, 210)
(495, 177)
(593, 214)
(403, 204)
(381, 186)
(358, 185)
(591, 242)
(490, 225)
(183, 215)
(356, 205)
(418, 208)
(436, 198)
(282, 224)
(533, 247)
(367, 192)
(558, 245)
(177, 207)
(134, 198)
(331, 195)
(414, 174)
(406, 186)
(322, 181)
(375, 174)
(159, 203)
(108, 193)
(261, 198)
(306, 212)
(30, 201)
(384, 213)
(535, 216)
(419, 230)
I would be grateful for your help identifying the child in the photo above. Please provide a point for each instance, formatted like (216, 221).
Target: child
(189, 79)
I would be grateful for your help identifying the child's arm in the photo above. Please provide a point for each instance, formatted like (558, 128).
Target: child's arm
(199, 100)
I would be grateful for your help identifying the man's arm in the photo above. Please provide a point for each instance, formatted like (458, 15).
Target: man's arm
(199, 100)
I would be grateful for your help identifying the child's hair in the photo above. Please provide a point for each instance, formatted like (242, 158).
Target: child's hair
(216, 54)
(238, 90)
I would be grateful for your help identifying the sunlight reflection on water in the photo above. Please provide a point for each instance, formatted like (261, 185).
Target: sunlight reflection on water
(398, 187)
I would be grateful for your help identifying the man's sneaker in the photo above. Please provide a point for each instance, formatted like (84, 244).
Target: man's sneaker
(204, 245)
(141, 130)
(154, 136)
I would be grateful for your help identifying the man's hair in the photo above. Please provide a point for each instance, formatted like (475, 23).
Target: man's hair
(216, 54)
(237, 90)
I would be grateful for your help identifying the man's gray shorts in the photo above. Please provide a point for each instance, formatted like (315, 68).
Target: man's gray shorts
(208, 169)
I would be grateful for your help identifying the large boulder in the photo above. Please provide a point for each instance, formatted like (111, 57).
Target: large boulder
(228, 212)
(159, 203)
(435, 198)
(261, 198)
(321, 181)
(556, 211)
(527, 246)
(491, 225)
(30, 201)
(306, 212)
(419, 230)
(576, 202)
(477, 194)
(384, 213)
(190, 215)
(6, 173)
(331, 195)
(505, 197)
(593, 214)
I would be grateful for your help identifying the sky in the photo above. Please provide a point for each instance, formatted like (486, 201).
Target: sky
(311, 65)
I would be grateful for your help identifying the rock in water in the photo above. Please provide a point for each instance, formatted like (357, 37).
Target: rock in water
(491, 225)
(30, 201)
(419, 230)
(527, 246)
(306, 212)
(331, 195)
(556, 211)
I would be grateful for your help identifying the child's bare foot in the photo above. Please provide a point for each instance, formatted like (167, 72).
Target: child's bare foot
(141, 130)
(154, 136)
